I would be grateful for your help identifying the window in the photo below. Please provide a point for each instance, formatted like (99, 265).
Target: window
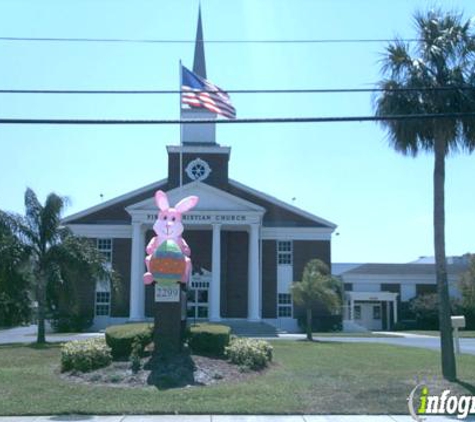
(104, 246)
(284, 252)
(284, 305)
(357, 310)
(198, 169)
(103, 298)
(377, 312)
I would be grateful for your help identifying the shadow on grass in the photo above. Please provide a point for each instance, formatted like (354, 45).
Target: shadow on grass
(44, 346)
(467, 386)
(317, 341)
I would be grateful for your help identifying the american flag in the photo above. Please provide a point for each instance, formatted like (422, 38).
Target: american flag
(200, 93)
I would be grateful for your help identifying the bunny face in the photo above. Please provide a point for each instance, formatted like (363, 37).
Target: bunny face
(169, 223)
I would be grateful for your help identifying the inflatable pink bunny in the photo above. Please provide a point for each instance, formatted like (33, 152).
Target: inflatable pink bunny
(169, 227)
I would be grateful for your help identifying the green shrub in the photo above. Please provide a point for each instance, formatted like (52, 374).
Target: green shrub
(120, 338)
(208, 339)
(85, 355)
(249, 353)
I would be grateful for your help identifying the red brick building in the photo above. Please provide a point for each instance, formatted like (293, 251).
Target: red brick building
(247, 247)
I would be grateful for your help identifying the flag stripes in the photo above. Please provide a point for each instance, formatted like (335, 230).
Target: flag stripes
(200, 93)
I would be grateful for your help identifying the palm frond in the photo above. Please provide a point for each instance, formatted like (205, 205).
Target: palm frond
(51, 217)
(444, 58)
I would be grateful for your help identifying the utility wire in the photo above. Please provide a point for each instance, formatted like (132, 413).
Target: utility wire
(237, 121)
(233, 91)
(165, 41)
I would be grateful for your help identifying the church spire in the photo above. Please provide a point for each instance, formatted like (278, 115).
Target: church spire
(199, 64)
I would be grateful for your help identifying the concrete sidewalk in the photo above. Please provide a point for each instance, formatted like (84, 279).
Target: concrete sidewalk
(228, 418)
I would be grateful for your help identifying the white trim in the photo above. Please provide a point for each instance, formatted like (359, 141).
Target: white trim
(214, 293)
(198, 149)
(113, 231)
(296, 233)
(372, 296)
(282, 204)
(194, 188)
(395, 278)
(202, 218)
(113, 201)
(197, 161)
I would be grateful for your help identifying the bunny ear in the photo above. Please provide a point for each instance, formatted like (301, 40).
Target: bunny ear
(161, 200)
(186, 204)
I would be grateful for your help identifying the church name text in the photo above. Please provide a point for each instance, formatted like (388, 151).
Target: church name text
(208, 218)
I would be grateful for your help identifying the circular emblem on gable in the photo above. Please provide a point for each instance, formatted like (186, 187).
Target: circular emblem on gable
(198, 169)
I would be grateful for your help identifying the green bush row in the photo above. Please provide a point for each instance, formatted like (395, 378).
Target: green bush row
(85, 355)
(208, 339)
(120, 338)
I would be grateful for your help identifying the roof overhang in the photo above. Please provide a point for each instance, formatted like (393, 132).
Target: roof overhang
(372, 296)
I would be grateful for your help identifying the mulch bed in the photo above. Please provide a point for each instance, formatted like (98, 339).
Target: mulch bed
(179, 371)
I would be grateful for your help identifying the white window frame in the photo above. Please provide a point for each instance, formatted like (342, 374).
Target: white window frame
(106, 251)
(102, 288)
(284, 304)
(285, 252)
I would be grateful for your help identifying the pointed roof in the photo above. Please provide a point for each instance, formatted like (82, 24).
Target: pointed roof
(199, 64)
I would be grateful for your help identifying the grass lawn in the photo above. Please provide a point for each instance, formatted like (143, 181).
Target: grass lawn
(306, 378)
(462, 333)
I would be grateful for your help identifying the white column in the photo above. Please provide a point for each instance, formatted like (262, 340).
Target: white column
(137, 287)
(388, 315)
(253, 293)
(215, 289)
(352, 309)
(395, 309)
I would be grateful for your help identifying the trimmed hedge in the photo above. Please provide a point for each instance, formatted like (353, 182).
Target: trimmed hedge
(85, 355)
(120, 338)
(208, 339)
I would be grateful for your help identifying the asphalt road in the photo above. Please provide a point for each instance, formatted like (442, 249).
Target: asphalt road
(467, 345)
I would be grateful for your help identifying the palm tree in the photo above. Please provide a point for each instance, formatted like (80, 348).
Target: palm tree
(434, 76)
(317, 286)
(14, 283)
(55, 254)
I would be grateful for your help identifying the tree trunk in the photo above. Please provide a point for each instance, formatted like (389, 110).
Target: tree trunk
(446, 341)
(309, 324)
(41, 298)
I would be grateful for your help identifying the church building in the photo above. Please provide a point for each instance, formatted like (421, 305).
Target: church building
(247, 246)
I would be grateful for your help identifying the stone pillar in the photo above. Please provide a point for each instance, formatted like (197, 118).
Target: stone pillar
(137, 287)
(215, 288)
(253, 293)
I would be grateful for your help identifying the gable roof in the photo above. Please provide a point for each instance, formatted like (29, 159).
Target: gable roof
(211, 199)
(281, 204)
(276, 212)
(115, 201)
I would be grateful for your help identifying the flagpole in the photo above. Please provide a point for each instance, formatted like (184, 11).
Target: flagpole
(181, 126)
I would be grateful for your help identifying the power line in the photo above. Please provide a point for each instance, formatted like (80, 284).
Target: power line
(232, 91)
(236, 121)
(165, 41)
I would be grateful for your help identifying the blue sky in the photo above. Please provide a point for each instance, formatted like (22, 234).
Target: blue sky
(343, 172)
